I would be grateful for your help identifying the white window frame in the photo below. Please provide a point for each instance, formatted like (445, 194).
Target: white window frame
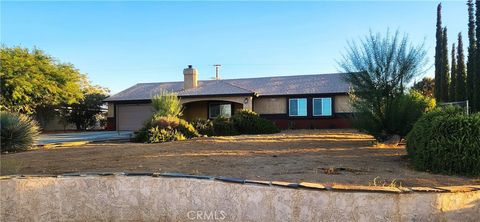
(321, 100)
(306, 108)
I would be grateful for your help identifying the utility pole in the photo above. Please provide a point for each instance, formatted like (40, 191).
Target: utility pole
(217, 71)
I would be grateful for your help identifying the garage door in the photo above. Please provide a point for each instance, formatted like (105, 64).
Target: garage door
(132, 117)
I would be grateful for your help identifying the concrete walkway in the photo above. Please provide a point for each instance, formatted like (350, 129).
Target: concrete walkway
(58, 138)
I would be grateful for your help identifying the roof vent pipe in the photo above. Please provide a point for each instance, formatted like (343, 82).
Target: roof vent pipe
(217, 71)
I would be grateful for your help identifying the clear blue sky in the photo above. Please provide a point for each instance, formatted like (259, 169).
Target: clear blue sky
(119, 44)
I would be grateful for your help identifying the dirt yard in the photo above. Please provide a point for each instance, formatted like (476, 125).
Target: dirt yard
(325, 156)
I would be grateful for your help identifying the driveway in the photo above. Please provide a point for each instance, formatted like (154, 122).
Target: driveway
(83, 136)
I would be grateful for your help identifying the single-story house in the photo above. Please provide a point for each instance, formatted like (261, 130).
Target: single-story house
(302, 101)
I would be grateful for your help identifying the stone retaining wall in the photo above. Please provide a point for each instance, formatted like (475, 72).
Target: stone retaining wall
(162, 198)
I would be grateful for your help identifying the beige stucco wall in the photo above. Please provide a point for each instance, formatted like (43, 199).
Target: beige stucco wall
(342, 104)
(270, 105)
(120, 198)
(111, 110)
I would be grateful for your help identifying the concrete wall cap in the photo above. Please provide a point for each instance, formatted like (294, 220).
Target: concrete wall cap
(304, 185)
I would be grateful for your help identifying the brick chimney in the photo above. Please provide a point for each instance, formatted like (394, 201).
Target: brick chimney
(190, 77)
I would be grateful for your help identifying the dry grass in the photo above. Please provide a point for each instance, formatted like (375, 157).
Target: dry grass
(325, 156)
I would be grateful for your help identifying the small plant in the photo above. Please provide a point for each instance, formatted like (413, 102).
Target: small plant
(203, 126)
(141, 136)
(291, 125)
(18, 132)
(383, 183)
(167, 104)
(249, 122)
(224, 127)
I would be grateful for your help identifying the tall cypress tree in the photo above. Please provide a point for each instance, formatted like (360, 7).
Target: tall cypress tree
(461, 85)
(476, 103)
(438, 53)
(453, 74)
(445, 70)
(472, 54)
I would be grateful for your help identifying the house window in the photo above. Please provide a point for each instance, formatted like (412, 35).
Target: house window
(322, 106)
(220, 109)
(297, 107)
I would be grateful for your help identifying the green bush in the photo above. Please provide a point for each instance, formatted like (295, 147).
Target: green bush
(422, 131)
(249, 122)
(405, 110)
(204, 126)
(243, 122)
(18, 132)
(396, 117)
(141, 136)
(187, 129)
(165, 128)
(172, 123)
(446, 141)
(167, 104)
(224, 127)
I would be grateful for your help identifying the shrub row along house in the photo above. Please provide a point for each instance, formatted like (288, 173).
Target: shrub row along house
(304, 101)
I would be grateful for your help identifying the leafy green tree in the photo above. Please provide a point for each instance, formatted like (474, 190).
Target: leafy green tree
(425, 87)
(453, 74)
(461, 83)
(380, 67)
(85, 113)
(31, 79)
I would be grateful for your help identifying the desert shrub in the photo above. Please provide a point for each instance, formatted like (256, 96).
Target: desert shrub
(446, 141)
(187, 129)
(18, 131)
(141, 136)
(203, 126)
(158, 135)
(396, 117)
(165, 128)
(167, 104)
(249, 122)
(224, 127)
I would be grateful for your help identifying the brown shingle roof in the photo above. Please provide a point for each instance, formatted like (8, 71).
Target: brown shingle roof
(263, 86)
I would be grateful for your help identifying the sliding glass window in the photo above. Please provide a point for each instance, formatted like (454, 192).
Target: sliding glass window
(322, 106)
(297, 107)
(217, 110)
